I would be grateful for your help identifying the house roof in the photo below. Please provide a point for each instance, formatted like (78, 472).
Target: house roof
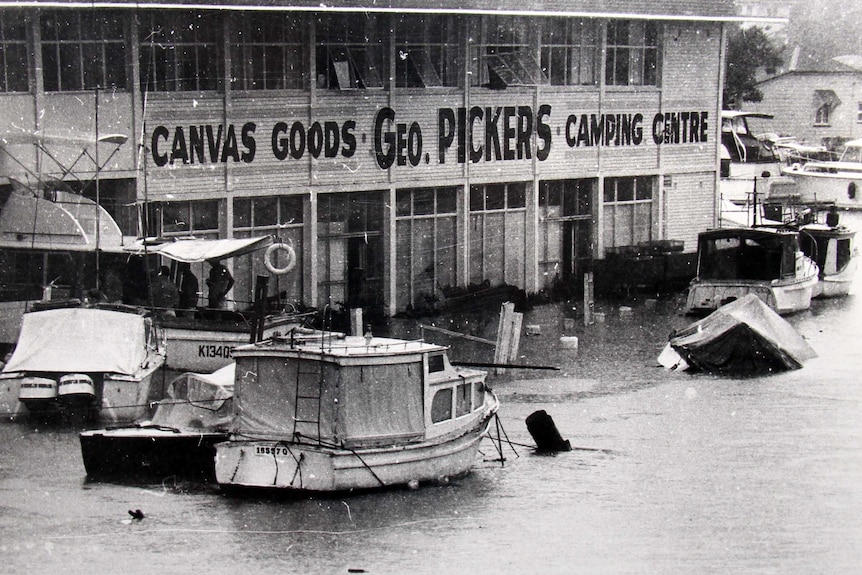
(712, 10)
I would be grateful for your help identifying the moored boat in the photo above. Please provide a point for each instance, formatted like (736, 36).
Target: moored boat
(833, 182)
(746, 160)
(834, 250)
(117, 348)
(178, 440)
(768, 262)
(351, 413)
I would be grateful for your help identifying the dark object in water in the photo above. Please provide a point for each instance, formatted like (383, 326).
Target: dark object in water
(541, 426)
(136, 514)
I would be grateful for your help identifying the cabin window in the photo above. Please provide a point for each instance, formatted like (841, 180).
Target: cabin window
(269, 52)
(426, 221)
(569, 51)
(497, 242)
(14, 54)
(180, 51)
(435, 363)
(463, 399)
(352, 51)
(628, 210)
(82, 51)
(506, 54)
(632, 53)
(843, 254)
(427, 51)
(441, 405)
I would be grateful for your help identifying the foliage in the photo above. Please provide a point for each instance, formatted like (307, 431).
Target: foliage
(748, 50)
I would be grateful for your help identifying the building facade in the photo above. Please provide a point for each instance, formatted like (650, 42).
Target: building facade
(401, 149)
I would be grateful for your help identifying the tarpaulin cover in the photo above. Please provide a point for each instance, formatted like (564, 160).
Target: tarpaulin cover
(373, 402)
(744, 336)
(201, 250)
(70, 340)
(198, 401)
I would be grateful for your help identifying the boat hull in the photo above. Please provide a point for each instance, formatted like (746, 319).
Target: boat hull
(142, 453)
(707, 296)
(843, 190)
(307, 467)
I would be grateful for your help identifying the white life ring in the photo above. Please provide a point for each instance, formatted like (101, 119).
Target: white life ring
(269, 258)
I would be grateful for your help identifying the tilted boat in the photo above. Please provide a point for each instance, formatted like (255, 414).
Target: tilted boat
(178, 440)
(744, 337)
(768, 262)
(351, 413)
(112, 350)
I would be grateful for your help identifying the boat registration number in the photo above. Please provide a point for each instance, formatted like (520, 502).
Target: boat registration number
(213, 350)
(276, 450)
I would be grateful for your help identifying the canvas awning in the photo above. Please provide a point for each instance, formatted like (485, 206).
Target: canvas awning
(81, 340)
(200, 250)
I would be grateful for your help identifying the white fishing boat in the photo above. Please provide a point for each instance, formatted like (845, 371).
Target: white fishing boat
(351, 413)
(768, 262)
(117, 347)
(179, 439)
(838, 182)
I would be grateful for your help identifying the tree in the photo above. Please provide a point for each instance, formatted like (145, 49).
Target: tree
(748, 50)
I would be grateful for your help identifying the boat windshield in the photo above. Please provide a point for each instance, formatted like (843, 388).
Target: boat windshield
(743, 258)
(852, 154)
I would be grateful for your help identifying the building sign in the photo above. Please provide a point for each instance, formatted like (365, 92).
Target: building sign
(461, 135)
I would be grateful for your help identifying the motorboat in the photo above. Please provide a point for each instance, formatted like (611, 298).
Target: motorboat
(747, 161)
(832, 182)
(743, 337)
(178, 440)
(768, 262)
(117, 348)
(834, 250)
(351, 412)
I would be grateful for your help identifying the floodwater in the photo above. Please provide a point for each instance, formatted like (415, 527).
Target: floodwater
(673, 473)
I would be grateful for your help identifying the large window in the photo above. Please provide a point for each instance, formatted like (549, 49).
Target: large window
(82, 50)
(352, 51)
(180, 51)
(632, 53)
(427, 51)
(426, 229)
(198, 218)
(570, 51)
(14, 58)
(269, 52)
(628, 207)
(506, 54)
(497, 225)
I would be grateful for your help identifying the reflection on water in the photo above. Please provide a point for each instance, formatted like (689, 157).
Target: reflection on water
(674, 473)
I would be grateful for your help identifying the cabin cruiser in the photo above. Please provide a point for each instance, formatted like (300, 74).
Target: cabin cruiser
(354, 412)
(746, 160)
(832, 182)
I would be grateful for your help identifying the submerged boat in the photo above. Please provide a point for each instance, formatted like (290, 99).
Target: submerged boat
(834, 182)
(742, 337)
(768, 262)
(104, 356)
(351, 413)
(178, 440)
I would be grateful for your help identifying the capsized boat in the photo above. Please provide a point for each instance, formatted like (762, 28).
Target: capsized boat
(178, 440)
(117, 347)
(768, 262)
(742, 337)
(350, 413)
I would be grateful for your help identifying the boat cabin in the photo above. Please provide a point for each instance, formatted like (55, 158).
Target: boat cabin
(735, 254)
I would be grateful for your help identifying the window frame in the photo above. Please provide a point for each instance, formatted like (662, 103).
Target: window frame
(505, 55)
(436, 39)
(821, 114)
(580, 43)
(257, 38)
(14, 38)
(75, 50)
(628, 56)
(198, 33)
(611, 208)
(345, 58)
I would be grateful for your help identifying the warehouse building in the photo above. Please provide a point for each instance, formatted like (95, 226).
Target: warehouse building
(402, 148)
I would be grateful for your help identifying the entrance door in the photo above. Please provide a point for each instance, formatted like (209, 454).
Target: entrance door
(577, 251)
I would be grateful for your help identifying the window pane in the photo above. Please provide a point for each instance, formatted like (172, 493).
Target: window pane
(495, 197)
(265, 211)
(463, 400)
(205, 215)
(423, 202)
(516, 196)
(446, 200)
(291, 209)
(441, 406)
(402, 201)
(625, 190)
(242, 213)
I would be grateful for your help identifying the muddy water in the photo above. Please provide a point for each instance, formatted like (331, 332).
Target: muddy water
(673, 473)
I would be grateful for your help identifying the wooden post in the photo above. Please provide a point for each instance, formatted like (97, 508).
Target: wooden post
(508, 335)
(589, 300)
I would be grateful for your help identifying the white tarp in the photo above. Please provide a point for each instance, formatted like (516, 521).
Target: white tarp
(198, 401)
(68, 340)
(201, 250)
